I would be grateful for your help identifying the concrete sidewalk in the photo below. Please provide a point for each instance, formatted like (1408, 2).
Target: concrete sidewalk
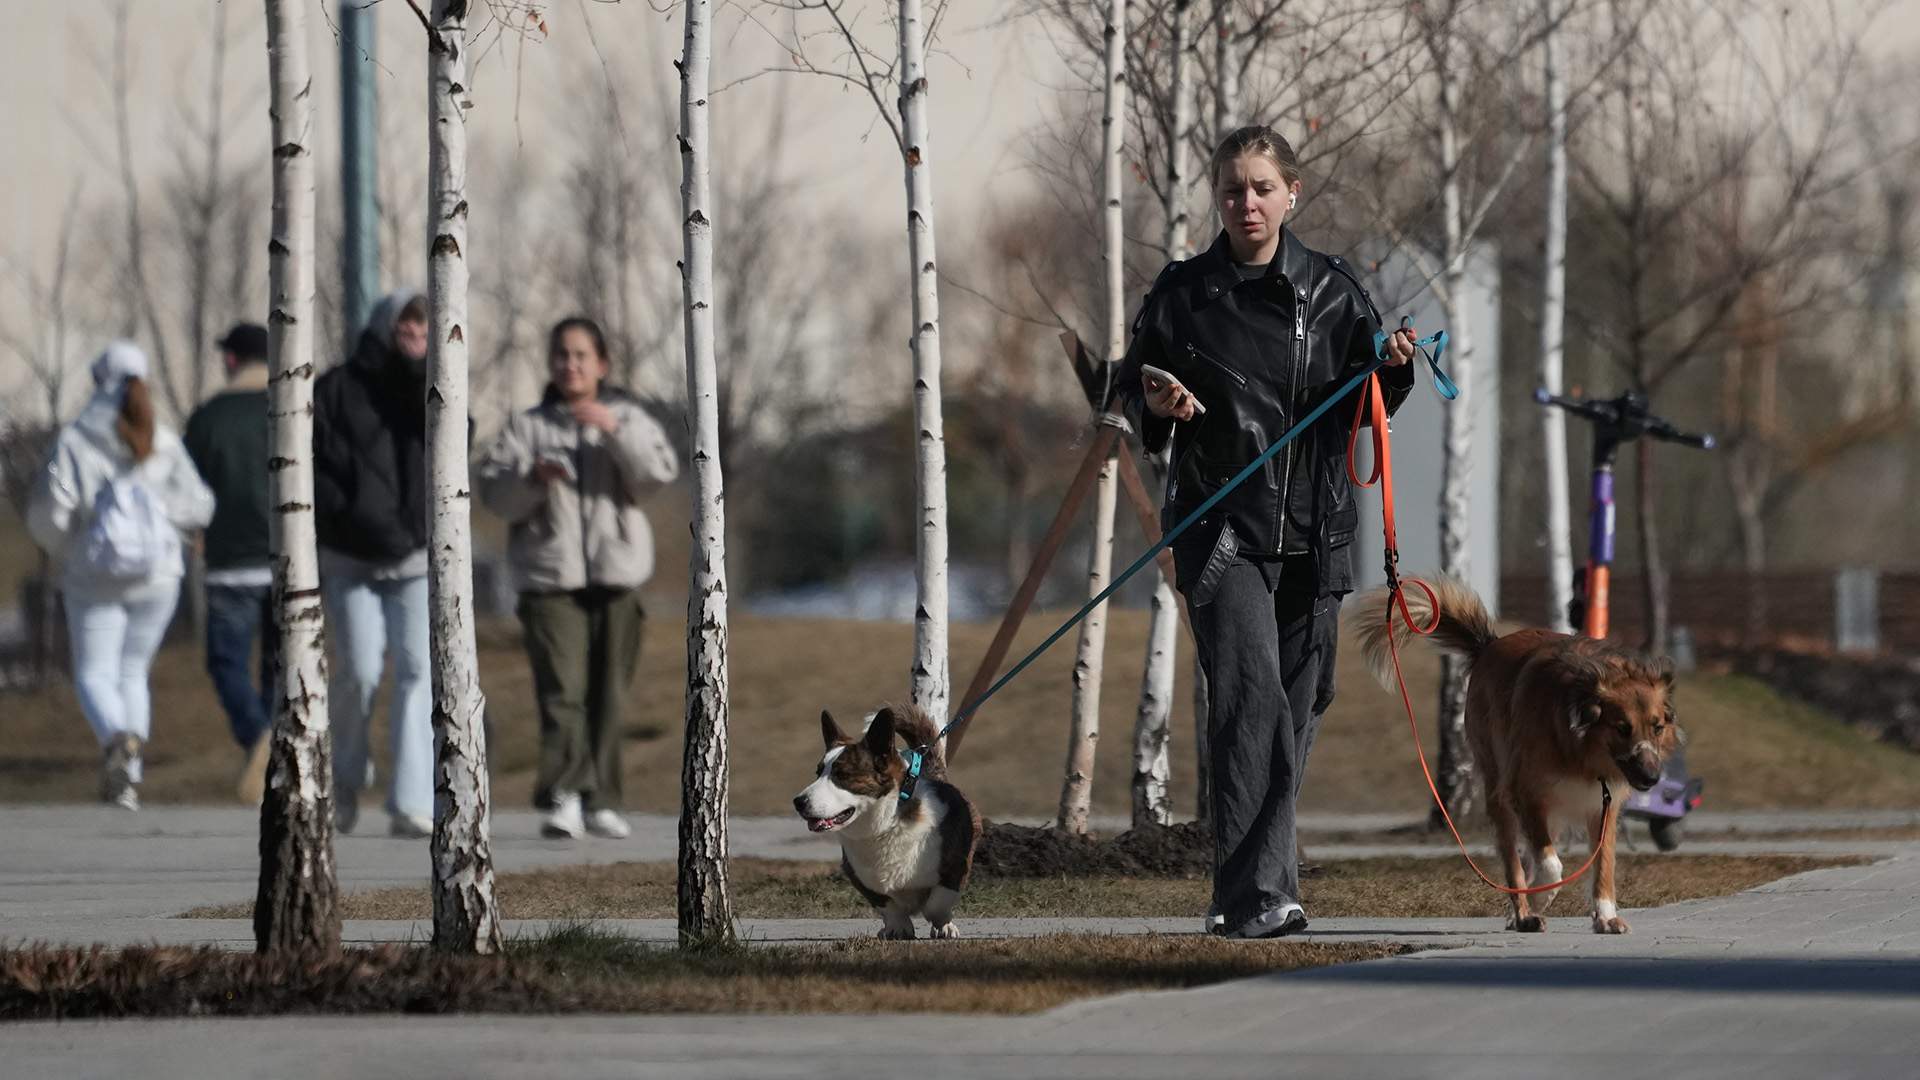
(1816, 975)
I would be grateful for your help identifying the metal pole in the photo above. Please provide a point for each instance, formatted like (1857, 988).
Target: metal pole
(358, 163)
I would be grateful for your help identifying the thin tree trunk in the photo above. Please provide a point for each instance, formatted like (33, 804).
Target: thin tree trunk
(1152, 731)
(931, 686)
(1455, 767)
(465, 917)
(296, 905)
(1653, 572)
(1083, 738)
(1076, 791)
(1553, 312)
(705, 904)
(1226, 71)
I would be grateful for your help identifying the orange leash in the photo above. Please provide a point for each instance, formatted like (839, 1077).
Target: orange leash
(1372, 412)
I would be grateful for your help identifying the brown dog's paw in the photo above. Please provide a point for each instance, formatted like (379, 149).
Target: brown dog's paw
(1612, 925)
(1532, 924)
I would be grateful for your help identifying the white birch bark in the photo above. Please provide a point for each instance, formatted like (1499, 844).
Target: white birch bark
(1152, 728)
(1455, 768)
(1226, 71)
(1553, 313)
(295, 907)
(931, 688)
(1076, 791)
(705, 907)
(465, 916)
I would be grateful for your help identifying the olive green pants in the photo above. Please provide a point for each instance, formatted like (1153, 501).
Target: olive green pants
(584, 647)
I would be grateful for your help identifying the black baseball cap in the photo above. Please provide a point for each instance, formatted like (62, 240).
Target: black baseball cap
(248, 341)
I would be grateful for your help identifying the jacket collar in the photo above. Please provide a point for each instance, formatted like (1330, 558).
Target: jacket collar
(608, 394)
(249, 377)
(1291, 261)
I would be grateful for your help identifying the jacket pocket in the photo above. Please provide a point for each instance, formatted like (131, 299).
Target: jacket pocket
(1222, 366)
(1342, 524)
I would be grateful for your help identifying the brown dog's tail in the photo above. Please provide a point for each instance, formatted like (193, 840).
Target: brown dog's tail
(918, 729)
(1464, 629)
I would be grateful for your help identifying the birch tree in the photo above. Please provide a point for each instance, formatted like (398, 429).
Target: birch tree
(465, 916)
(1152, 803)
(296, 905)
(931, 687)
(1076, 789)
(705, 906)
(1553, 315)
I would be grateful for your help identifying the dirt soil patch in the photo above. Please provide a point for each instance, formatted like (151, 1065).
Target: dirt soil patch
(581, 970)
(1369, 888)
(1020, 851)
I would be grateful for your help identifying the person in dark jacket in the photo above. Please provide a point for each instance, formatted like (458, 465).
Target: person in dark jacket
(227, 437)
(1256, 331)
(370, 508)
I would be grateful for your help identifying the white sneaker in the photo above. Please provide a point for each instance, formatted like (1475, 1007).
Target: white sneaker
(608, 824)
(127, 799)
(1215, 924)
(564, 821)
(1272, 923)
(409, 827)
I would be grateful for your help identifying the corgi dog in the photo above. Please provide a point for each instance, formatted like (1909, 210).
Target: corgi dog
(906, 856)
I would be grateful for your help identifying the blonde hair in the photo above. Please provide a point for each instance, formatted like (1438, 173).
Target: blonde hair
(1255, 139)
(135, 422)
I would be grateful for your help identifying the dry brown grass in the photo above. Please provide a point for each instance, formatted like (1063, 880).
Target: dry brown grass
(580, 970)
(1755, 749)
(771, 889)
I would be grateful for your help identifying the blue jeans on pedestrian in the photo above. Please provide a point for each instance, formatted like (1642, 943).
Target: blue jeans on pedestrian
(368, 618)
(236, 614)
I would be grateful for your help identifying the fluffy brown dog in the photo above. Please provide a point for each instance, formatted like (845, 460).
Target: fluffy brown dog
(1549, 716)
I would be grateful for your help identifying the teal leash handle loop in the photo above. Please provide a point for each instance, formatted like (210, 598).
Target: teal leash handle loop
(1437, 342)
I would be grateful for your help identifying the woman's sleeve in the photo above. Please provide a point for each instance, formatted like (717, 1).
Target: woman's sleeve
(1147, 347)
(55, 497)
(189, 501)
(642, 453)
(507, 486)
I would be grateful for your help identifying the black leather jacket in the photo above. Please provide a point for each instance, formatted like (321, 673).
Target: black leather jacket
(1259, 354)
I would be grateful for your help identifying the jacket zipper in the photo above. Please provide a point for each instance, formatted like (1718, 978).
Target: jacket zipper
(1193, 350)
(1293, 411)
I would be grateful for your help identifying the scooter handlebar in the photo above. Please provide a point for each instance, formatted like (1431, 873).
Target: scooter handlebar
(1610, 412)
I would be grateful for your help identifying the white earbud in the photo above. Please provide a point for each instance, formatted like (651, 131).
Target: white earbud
(1291, 200)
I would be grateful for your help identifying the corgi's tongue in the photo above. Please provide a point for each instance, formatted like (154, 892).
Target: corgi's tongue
(824, 824)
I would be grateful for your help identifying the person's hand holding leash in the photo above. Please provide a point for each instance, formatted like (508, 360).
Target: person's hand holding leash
(1400, 347)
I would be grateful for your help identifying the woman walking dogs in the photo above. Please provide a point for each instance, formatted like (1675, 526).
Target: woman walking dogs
(110, 507)
(1229, 350)
(569, 474)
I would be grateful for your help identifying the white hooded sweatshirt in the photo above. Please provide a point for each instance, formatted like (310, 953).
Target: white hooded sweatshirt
(88, 453)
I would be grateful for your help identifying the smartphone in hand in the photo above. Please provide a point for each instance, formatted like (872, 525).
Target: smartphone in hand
(1157, 379)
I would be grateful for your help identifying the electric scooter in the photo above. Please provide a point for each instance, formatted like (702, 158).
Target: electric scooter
(1622, 420)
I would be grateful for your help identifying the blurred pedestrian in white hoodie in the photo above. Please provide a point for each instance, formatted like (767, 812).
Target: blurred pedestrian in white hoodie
(110, 507)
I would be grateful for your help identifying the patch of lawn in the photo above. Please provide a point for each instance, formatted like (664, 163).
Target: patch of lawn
(580, 969)
(1372, 888)
(1755, 749)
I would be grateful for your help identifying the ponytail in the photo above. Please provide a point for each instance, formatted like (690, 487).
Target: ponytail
(135, 424)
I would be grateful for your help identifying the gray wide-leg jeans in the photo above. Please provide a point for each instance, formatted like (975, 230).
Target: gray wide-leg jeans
(1268, 657)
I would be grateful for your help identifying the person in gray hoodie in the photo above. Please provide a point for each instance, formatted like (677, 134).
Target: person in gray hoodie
(569, 475)
(370, 510)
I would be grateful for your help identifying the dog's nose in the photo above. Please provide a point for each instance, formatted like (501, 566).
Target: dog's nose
(800, 804)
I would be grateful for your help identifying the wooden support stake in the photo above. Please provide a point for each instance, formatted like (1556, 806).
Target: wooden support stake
(1103, 443)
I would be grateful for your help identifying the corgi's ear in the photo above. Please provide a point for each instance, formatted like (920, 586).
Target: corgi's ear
(879, 737)
(830, 731)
